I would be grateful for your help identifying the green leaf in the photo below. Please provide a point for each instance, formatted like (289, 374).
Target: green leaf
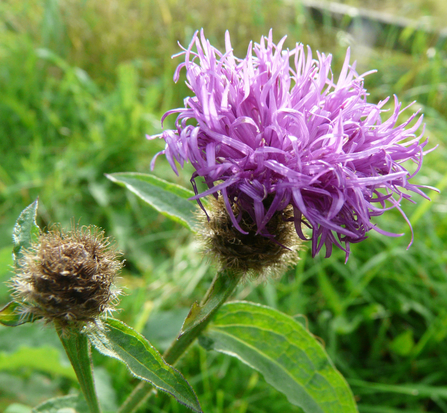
(18, 408)
(403, 344)
(25, 230)
(107, 394)
(44, 359)
(13, 315)
(169, 199)
(71, 403)
(77, 348)
(288, 356)
(200, 315)
(119, 341)
(223, 285)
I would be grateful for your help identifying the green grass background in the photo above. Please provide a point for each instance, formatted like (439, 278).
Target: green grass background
(83, 81)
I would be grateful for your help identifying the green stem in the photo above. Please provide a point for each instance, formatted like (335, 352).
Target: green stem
(77, 348)
(137, 397)
(221, 288)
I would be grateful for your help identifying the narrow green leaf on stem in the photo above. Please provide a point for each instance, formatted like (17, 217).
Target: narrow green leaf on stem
(25, 229)
(223, 285)
(71, 403)
(13, 314)
(119, 341)
(200, 315)
(169, 199)
(288, 356)
(77, 348)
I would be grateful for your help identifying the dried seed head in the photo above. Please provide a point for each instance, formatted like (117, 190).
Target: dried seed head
(252, 254)
(68, 277)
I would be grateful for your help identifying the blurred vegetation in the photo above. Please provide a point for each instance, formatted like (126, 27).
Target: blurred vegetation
(82, 82)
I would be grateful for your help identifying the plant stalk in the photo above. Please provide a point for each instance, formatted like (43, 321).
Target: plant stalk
(225, 280)
(78, 351)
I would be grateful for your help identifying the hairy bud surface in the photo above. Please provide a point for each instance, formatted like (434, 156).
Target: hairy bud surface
(68, 277)
(249, 253)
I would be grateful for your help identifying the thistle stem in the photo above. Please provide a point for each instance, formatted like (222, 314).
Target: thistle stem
(221, 288)
(78, 351)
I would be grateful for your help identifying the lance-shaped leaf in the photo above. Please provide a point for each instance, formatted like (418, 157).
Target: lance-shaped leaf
(288, 356)
(119, 341)
(71, 403)
(169, 199)
(13, 315)
(25, 230)
(223, 285)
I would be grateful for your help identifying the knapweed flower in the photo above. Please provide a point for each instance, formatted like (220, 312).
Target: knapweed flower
(276, 130)
(68, 277)
(248, 253)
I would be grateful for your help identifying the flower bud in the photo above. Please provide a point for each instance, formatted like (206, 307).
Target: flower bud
(68, 277)
(253, 254)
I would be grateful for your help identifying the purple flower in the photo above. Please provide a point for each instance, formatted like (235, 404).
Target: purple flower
(275, 129)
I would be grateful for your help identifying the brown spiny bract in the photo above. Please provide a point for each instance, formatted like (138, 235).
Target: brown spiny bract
(68, 277)
(249, 254)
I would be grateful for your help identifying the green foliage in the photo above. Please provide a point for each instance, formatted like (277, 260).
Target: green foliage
(121, 342)
(6, 261)
(77, 347)
(13, 315)
(18, 408)
(223, 285)
(287, 355)
(25, 231)
(167, 198)
(58, 404)
(44, 359)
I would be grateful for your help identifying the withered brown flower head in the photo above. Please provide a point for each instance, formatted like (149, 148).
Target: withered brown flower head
(251, 254)
(68, 276)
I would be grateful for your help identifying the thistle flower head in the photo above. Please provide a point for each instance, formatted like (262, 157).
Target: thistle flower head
(275, 130)
(249, 253)
(67, 277)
